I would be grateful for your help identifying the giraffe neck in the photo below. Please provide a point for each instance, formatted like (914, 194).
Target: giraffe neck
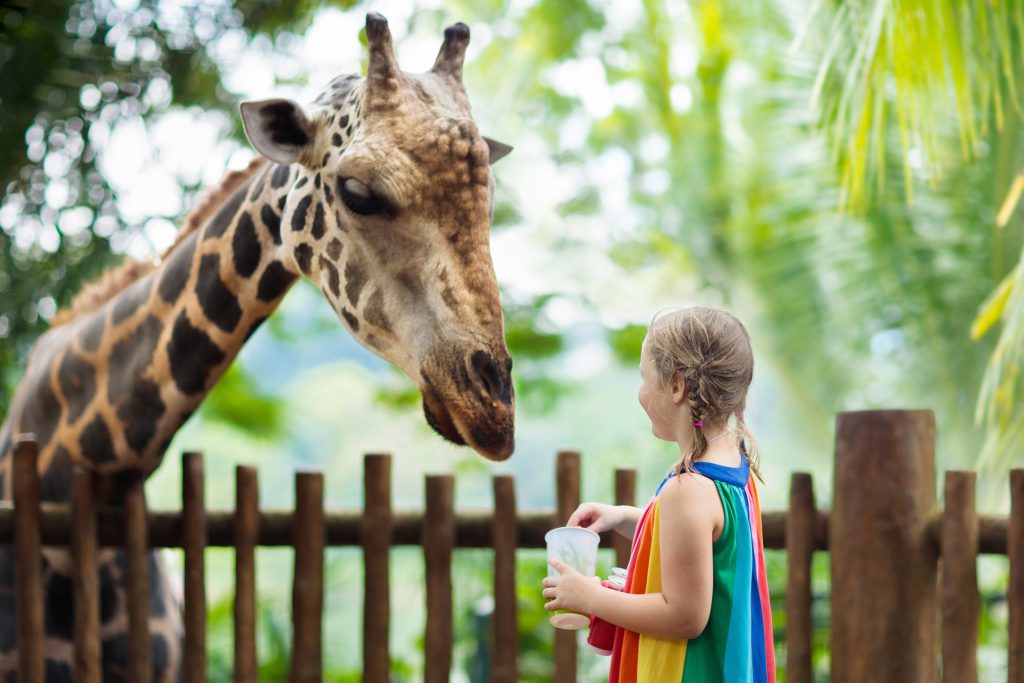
(130, 374)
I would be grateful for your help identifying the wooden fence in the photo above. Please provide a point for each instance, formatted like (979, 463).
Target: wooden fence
(884, 532)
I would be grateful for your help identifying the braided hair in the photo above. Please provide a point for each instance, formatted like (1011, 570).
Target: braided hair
(709, 350)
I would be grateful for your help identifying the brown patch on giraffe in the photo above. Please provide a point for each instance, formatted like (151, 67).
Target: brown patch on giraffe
(334, 249)
(355, 279)
(219, 303)
(303, 257)
(96, 443)
(447, 293)
(97, 293)
(333, 283)
(374, 313)
(352, 321)
(77, 379)
(245, 246)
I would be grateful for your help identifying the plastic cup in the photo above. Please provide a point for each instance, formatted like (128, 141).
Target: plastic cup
(576, 547)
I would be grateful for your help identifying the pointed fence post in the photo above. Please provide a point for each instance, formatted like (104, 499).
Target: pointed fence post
(884, 571)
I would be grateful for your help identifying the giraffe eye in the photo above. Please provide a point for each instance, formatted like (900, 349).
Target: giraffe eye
(358, 198)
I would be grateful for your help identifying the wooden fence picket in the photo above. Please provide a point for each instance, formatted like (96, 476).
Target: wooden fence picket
(193, 518)
(246, 537)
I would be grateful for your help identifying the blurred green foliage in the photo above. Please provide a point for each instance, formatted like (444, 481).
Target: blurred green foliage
(743, 126)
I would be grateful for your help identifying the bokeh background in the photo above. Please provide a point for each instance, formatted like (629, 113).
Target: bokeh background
(842, 175)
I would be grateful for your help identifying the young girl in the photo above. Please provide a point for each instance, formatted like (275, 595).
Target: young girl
(695, 604)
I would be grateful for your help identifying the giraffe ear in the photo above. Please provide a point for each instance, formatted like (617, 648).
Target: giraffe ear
(498, 149)
(279, 129)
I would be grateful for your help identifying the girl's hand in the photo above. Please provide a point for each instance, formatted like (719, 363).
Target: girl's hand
(572, 591)
(597, 517)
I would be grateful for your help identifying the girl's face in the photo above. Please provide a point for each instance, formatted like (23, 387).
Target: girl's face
(659, 400)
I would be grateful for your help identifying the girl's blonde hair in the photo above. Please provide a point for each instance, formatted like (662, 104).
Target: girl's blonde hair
(709, 350)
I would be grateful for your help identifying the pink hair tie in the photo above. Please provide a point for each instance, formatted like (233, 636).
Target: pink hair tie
(698, 424)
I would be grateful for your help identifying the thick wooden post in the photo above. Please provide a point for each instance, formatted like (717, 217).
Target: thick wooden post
(505, 636)
(246, 535)
(193, 523)
(567, 483)
(136, 547)
(88, 658)
(884, 571)
(959, 584)
(308, 584)
(438, 541)
(625, 494)
(800, 522)
(375, 537)
(28, 583)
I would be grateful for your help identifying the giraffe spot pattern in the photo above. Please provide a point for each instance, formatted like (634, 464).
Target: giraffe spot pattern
(92, 333)
(274, 282)
(193, 355)
(96, 443)
(272, 222)
(219, 224)
(175, 273)
(299, 217)
(130, 300)
(245, 246)
(334, 249)
(140, 413)
(332, 277)
(59, 611)
(318, 221)
(352, 321)
(55, 482)
(355, 278)
(135, 352)
(279, 178)
(257, 185)
(217, 301)
(41, 414)
(77, 379)
(303, 256)
(109, 600)
(374, 313)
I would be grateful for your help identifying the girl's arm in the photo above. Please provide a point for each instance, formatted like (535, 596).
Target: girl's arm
(630, 516)
(682, 607)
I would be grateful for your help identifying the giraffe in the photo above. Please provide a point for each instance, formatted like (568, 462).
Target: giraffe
(380, 193)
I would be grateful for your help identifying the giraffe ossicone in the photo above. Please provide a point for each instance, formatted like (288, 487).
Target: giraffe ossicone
(380, 193)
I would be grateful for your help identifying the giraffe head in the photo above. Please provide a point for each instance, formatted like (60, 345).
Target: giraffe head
(388, 213)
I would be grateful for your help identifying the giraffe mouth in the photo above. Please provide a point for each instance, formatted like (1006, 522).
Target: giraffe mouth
(491, 435)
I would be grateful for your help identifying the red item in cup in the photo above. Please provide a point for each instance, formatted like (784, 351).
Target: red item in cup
(602, 633)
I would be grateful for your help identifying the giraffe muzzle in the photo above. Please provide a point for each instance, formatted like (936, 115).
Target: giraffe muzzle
(471, 402)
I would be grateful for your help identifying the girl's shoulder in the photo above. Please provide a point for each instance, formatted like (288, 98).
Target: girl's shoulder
(693, 497)
(689, 489)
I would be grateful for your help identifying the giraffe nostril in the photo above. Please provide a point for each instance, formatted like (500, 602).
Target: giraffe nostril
(490, 377)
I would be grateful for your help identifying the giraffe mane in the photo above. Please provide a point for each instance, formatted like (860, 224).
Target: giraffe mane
(113, 280)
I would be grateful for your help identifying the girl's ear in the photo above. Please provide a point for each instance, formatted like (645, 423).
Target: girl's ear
(678, 388)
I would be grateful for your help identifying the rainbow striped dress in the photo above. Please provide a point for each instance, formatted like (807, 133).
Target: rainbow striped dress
(737, 645)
